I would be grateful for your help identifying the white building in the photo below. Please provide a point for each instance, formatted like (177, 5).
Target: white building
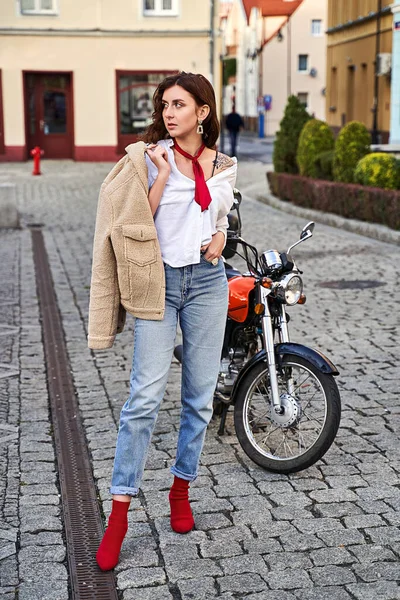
(294, 62)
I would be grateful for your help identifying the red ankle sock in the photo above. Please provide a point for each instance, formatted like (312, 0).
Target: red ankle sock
(181, 514)
(109, 549)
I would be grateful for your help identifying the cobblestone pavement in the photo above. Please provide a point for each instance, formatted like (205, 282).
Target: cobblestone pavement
(331, 532)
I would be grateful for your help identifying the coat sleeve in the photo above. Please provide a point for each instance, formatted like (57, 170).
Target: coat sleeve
(106, 314)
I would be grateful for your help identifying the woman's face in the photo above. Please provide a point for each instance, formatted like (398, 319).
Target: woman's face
(180, 111)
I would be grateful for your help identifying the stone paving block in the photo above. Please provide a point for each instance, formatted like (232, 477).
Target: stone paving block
(337, 510)
(372, 553)
(284, 560)
(331, 575)
(317, 524)
(42, 591)
(301, 542)
(387, 571)
(243, 583)
(262, 546)
(323, 593)
(172, 553)
(272, 595)
(383, 535)
(197, 589)
(207, 522)
(244, 564)
(363, 521)
(334, 495)
(160, 592)
(192, 569)
(42, 554)
(219, 549)
(289, 579)
(47, 572)
(383, 590)
(138, 577)
(331, 556)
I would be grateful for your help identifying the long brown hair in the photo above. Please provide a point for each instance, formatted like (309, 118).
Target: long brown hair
(203, 93)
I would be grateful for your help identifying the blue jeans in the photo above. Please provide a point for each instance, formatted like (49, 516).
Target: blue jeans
(198, 295)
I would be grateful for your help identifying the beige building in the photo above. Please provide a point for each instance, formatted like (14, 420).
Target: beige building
(77, 77)
(294, 62)
(356, 90)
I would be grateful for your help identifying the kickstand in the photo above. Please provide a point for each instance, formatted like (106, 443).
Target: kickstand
(221, 429)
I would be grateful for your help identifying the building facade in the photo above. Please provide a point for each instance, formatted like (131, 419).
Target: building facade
(294, 62)
(249, 26)
(359, 33)
(77, 78)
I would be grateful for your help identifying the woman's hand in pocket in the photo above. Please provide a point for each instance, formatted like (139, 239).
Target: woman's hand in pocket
(215, 247)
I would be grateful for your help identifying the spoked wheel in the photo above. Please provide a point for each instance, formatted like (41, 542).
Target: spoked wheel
(297, 438)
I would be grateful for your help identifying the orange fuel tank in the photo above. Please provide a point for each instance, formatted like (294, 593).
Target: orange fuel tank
(239, 290)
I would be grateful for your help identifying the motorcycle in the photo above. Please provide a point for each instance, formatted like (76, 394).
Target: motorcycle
(285, 398)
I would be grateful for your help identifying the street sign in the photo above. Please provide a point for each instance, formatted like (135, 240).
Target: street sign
(267, 102)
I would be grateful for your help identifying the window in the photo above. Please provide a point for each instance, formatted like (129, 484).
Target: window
(316, 27)
(303, 62)
(135, 103)
(160, 8)
(38, 7)
(303, 97)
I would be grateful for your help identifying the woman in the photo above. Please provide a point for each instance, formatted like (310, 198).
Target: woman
(160, 231)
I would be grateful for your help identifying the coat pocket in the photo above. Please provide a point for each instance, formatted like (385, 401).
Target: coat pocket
(140, 244)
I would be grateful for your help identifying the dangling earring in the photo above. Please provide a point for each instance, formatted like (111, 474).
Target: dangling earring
(200, 127)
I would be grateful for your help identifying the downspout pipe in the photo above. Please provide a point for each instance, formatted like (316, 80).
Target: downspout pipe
(212, 40)
(375, 132)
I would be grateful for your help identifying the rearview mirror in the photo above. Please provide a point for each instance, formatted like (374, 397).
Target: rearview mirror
(307, 230)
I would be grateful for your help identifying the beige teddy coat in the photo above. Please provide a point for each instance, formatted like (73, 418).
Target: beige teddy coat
(127, 270)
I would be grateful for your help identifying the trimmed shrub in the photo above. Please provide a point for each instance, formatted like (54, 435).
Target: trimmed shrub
(378, 170)
(287, 138)
(374, 205)
(352, 143)
(316, 137)
(324, 165)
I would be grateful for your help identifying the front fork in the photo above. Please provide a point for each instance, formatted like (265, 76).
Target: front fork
(269, 347)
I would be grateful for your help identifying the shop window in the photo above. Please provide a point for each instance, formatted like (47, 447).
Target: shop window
(316, 27)
(160, 8)
(135, 102)
(2, 142)
(38, 7)
(303, 63)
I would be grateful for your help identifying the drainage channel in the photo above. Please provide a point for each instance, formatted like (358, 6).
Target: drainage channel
(82, 520)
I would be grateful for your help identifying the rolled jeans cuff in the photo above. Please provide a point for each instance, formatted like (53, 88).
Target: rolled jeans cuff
(123, 491)
(181, 475)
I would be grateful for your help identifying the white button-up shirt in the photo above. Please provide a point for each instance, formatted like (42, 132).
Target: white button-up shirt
(181, 226)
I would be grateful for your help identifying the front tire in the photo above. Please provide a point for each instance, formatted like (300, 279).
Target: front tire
(302, 435)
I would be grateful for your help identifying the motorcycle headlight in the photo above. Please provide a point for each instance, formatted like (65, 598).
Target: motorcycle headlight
(290, 289)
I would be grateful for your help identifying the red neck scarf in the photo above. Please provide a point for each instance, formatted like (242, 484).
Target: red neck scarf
(201, 191)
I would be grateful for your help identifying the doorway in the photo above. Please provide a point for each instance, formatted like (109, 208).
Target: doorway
(49, 113)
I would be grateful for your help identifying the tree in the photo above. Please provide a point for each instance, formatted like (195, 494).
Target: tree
(287, 138)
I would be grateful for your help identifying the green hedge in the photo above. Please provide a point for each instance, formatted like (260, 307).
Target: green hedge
(378, 170)
(352, 143)
(348, 200)
(316, 137)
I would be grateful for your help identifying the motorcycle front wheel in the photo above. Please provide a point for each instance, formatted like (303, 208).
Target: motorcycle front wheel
(299, 437)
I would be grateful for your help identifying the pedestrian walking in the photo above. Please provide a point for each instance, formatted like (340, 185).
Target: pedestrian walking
(160, 231)
(233, 124)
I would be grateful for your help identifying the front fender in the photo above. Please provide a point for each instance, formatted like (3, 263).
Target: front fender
(316, 358)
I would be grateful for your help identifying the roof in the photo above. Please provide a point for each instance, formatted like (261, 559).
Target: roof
(272, 8)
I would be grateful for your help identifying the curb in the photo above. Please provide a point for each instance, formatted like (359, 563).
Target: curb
(372, 230)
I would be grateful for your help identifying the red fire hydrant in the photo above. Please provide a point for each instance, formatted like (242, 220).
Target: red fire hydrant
(36, 153)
